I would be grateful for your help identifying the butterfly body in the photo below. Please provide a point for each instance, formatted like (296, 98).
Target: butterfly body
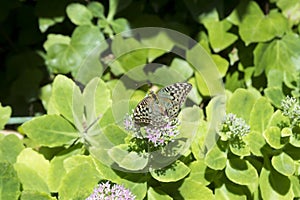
(158, 109)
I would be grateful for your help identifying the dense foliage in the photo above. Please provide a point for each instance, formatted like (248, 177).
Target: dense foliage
(78, 68)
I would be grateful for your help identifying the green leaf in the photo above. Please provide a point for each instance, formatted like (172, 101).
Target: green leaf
(197, 146)
(79, 14)
(290, 9)
(10, 147)
(107, 118)
(216, 158)
(45, 94)
(182, 67)
(274, 95)
(273, 137)
(50, 130)
(57, 170)
(294, 140)
(279, 54)
(218, 36)
(56, 39)
(295, 185)
(278, 119)
(115, 134)
(61, 99)
(45, 23)
(128, 160)
(200, 172)
(222, 64)
(274, 185)
(255, 141)
(172, 173)
(233, 82)
(9, 182)
(97, 99)
(208, 76)
(129, 52)
(34, 195)
(79, 185)
(32, 169)
(119, 25)
(86, 41)
(106, 171)
(194, 94)
(96, 9)
(241, 103)
(263, 27)
(137, 184)
(5, 112)
(230, 191)
(284, 164)
(194, 190)
(154, 194)
(260, 114)
(275, 78)
(241, 172)
(240, 150)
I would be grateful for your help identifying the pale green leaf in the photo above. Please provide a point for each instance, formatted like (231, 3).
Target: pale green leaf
(172, 173)
(282, 55)
(79, 14)
(10, 147)
(62, 98)
(194, 190)
(260, 114)
(56, 39)
(218, 36)
(284, 164)
(290, 9)
(273, 137)
(5, 112)
(97, 100)
(154, 194)
(128, 160)
(264, 27)
(241, 172)
(79, 185)
(255, 141)
(35, 195)
(274, 185)
(216, 158)
(50, 130)
(32, 169)
(241, 104)
(9, 182)
(96, 9)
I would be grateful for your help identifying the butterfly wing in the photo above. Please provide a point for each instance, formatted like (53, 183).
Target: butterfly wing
(142, 112)
(158, 109)
(173, 96)
(149, 111)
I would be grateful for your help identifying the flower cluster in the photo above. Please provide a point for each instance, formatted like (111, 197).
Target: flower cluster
(160, 136)
(233, 128)
(291, 109)
(106, 191)
(157, 135)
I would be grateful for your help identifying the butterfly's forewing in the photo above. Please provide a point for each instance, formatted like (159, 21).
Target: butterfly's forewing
(173, 96)
(142, 112)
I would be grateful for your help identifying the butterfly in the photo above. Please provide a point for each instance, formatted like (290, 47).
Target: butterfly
(159, 109)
